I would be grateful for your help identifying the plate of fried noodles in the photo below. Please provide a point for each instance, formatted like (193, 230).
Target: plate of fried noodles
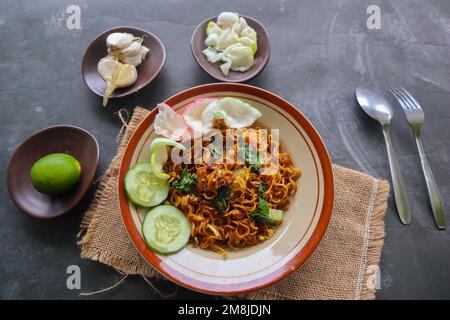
(225, 188)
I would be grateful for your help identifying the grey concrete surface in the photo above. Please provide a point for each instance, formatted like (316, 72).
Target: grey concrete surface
(321, 50)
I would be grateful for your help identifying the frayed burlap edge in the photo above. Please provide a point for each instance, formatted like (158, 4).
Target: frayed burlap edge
(375, 242)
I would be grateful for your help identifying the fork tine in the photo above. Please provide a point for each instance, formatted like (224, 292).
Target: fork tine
(407, 101)
(414, 101)
(399, 99)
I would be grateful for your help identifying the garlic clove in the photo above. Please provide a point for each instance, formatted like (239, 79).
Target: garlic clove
(133, 60)
(145, 50)
(116, 53)
(106, 67)
(133, 54)
(127, 76)
(124, 75)
(133, 49)
(116, 75)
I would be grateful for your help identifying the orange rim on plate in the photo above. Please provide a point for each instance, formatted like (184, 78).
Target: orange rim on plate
(199, 276)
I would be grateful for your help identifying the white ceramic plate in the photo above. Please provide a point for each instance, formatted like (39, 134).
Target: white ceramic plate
(254, 267)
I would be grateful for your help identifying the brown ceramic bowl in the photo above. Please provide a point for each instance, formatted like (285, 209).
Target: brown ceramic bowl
(66, 139)
(147, 71)
(261, 57)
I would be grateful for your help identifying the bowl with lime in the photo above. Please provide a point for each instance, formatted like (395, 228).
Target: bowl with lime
(51, 171)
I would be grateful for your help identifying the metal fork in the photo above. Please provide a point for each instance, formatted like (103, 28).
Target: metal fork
(414, 115)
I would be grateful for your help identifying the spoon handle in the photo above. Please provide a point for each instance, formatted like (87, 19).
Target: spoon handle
(401, 199)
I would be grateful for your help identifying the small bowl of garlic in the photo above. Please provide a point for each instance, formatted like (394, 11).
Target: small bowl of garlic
(230, 47)
(121, 61)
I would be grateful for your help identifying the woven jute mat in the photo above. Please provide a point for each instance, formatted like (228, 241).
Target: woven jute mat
(344, 266)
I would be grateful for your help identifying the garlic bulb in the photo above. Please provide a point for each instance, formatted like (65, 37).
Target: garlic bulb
(119, 40)
(127, 48)
(116, 75)
(118, 68)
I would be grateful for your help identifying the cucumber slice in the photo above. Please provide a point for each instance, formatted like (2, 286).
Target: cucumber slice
(166, 229)
(143, 188)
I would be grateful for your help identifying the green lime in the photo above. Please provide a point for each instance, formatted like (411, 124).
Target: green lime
(55, 173)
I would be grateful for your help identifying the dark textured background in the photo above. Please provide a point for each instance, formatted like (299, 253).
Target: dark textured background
(321, 50)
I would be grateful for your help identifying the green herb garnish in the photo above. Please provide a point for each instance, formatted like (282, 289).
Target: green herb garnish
(222, 199)
(251, 156)
(257, 163)
(264, 213)
(187, 181)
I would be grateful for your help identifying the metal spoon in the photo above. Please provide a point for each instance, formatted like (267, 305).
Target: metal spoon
(381, 110)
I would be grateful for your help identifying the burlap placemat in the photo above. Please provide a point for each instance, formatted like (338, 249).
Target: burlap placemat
(344, 266)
